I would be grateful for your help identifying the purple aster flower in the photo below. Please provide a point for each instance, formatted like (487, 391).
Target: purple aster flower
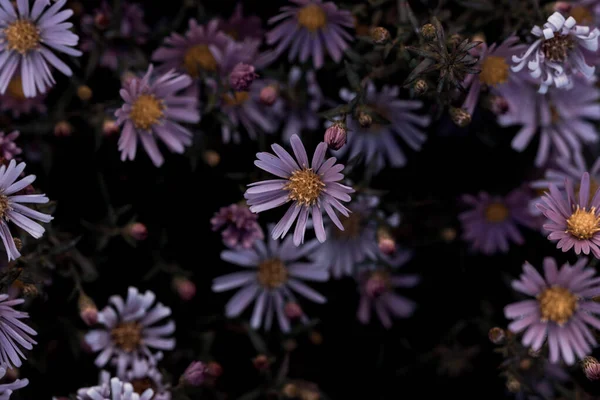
(310, 29)
(6, 389)
(561, 311)
(311, 188)
(144, 375)
(376, 287)
(14, 334)
(154, 107)
(113, 389)
(241, 226)
(558, 53)
(377, 142)
(277, 273)
(12, 208)
(8, 147)
(493, 220)
(240, 27)
(574, 221)
(130, 330)
(16, 103)
(191, 53)
(28, 41)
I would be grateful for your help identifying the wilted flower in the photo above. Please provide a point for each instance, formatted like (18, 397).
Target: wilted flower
(241, 228)
(14, 334)
(242, 77)
(8, 147)
(335, 136)
(194, 374)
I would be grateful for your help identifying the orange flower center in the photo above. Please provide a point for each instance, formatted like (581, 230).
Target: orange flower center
(312, 17)
(146, 111)
(22, 36)
(583, 224)
(304, 186)
(496, 212)
(557, 304)
(127, 336)
(199, 58)
(494, 71)
(272, 273)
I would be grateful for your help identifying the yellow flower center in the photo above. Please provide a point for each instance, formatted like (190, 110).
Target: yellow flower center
(496, 212)
(352, 227)
(582, 15)
(557, 304)
(199, 58)
(22, 36)
(4, 206)
(146, 111)
(583, 224)
(15, 88)
(304, 186)
(494, 71)
(272, 273)
(557, 49)
(237, 99)
(312, 17)
(127, 336)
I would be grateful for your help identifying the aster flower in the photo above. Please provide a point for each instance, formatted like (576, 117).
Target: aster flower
(240, 27)
(113, 389)
(278, 273)
(241, 226)
(15, 102)
(8, 147)
(6, 389)
(376, 287)
(493, 220)
(310, 29)
(558, 53)
(144, 375)
(377, 142)
(311, 188)
(14, 334)
(28, 41)
(130, 330)
(154, 107)
(562, 310)
(574, 221)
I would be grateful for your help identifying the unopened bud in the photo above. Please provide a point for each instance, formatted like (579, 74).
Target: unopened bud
(87, 309)
(497, 335)
(290, 345)
(525, 364)
(110, 127)
(137, 231)
(428, 31)
(12, 374)
(335, 135)
(30, 290)
(261, 362)
(562, 6)
(212, 158)
(194, 374)
(101, 20)
(533, 353)
(84, 92)
(242, 77)
(293, 310)
(63, 128)
(18, 243)
(268, 95)
(185, 288)
(316, 337)
(290, 390)
(448, 234)
(385, 241)
(513, 385)
(499, 105)
(214, 369)
(365, 120)
(460, 117)
(380, 35)
(421, 87)
(591, 368)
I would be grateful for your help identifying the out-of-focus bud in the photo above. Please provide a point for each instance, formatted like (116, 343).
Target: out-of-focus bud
(214, 369)
(290, 390)
(380, 35)
(525, 364)
(63, 128)
(110, 127)
(18, 243)
(497, 335)
(290, 345)
(533, 353)
(87, 309)
(562, 6)
(12, 374)
(293, 310)
(421, 87)
(30, 290)
(316, 337)
(512, 384)
(385, 241)
(185, 288)
(242, 77)
(137, 231)
(376, 285)
(591, 368)
(499, 105)
(261, 362)
(84, 92)
(194, 374)
(127, 77)
(212, 158)
(456, 39)
(335, 135)
(428, 31)
(268, 95)
(101, 20)
(365, 120)
(448, 234)
(460, 117)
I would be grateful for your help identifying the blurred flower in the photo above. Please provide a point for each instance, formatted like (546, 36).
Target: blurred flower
(29, 39)
(109, 127)
(88, 312)
(6, 389)
(14, 334)
(143, 376)
(276, 273)
(154, 108)
(185, 288)
(269, 94)
(309, 29)
(335, 135)
(113, 389)
(63, 128)
(242, 77)
(293, 310)
(129, 330)
(585, 11)
(84, 92)
(376, 287)
(240, 225)
(380, 35)
(240, 27)
(8, 147)
(194, 374)
(376, 144)
(493, 221)
(558, 53)
(261, 362)
(16, 103)
(562, 309)
(312, 188)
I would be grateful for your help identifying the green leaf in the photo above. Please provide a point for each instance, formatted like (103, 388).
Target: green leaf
(353, 77)
(336, 111)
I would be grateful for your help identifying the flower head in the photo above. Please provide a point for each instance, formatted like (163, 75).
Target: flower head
(29, 39)
(6, 389)
(113, 389)
(561, 311)
(558, 53)
(241, 226)
(277, 273)
(14, 333)
(311, 187)
(129, 331)
(8, 147)
(309, 29)
(154, 108)
(242, 76)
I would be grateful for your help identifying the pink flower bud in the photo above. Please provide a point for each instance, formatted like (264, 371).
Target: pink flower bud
(185, 288)
(63, 128)
(87, 310)
(137, 231)
(268, 95)
(335, 135)
(376, 286)
(194, 374)
(110, 127)
(242, 77)
(591, 368)
(293, 310)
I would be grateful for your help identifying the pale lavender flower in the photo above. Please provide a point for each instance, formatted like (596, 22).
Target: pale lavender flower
(573, 221)
(6, 389)
(144, 375)
(311, 187)
(311, 28)
(15, 102)
(12, 208)
(494, 221)
(28, 40)
(154, 108)
(376, 286)
(130, 330)
(113, 389)
(377, 142)
(14, 334)
(242, 76)
(558, 53)
(562, 310)
(241, 226)
(8, 147)
(277, 272)
(240, 27)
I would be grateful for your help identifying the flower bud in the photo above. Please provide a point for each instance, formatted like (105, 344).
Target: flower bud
(376, 286)
(499, 105)
(110, 127)
(562, 6)
(448, 234)
(194, 374)
(513, 385)
(380, 35)
(18, 243)
(30, 290)
(84, 92)
(293, 310)
(137, 231)
(421, 87)
(101, 20)
(525, 364)
(63, 128)
(185, 288)
(497, 335)
(385, 241)
(242, 77)
(268, 95)
(87, 309)
(290, 390)
(428, 31)
(212, 158)
(335, 135)
(460, 117)
(316, 337)
(591, 368)
(261, 362)
(214, 369)
(365, 120)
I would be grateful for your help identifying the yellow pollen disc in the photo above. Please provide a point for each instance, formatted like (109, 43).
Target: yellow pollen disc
(237, 99)
(583, 224)
(496, 212)
(312, 17)
(352, 227)
(4, 206)
(557, 304)
(582, 15)
(146, 111)
(127, 336)
(15, 88)
(272, 273)
(199, 58)
(304, 186)
(494, 71)
(22, 36)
